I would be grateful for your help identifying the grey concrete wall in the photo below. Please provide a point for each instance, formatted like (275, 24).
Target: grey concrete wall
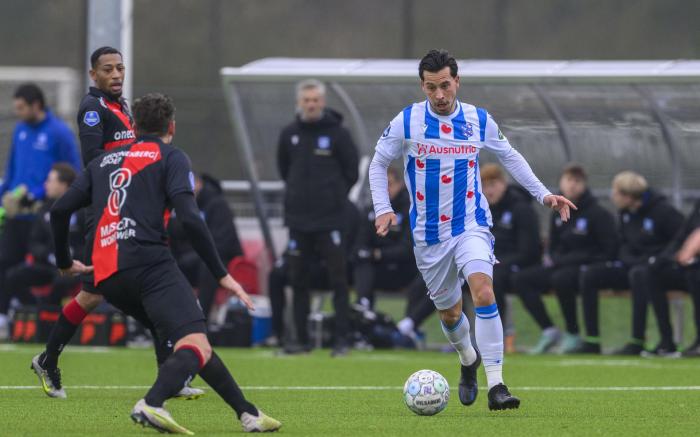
(179, 45)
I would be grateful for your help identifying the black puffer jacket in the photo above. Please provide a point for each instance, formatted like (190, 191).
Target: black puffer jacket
(589, 236)
(515, 229)
(647, 231)
(396, 247)
(318, 162)
(219, 219)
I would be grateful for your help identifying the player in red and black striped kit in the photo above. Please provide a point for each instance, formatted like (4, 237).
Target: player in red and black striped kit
(128, 189)
(104, 123)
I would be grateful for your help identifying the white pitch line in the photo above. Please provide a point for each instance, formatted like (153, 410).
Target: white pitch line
(366, 388)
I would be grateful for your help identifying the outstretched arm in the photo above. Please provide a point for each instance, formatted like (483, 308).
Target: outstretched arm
(73, 200)
(518, 167)
(389, 147)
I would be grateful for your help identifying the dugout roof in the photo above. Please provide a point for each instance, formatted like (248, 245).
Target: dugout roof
(609, 115)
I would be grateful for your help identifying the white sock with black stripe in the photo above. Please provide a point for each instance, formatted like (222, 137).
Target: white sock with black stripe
(458, 336)
(489, 339)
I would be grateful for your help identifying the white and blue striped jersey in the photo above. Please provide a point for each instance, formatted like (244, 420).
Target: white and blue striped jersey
(441, 161)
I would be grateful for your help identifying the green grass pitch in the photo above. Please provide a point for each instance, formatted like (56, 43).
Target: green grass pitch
(359, 395)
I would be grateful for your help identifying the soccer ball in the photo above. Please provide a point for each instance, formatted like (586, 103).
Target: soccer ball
(426, 392)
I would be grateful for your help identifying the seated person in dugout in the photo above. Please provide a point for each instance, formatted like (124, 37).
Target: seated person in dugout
(681, 257)
(40, 268)
(647, 223)
(515, 228)
(589, 237)
(384, 263)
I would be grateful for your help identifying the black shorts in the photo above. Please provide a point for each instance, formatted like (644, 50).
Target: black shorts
(161, 294)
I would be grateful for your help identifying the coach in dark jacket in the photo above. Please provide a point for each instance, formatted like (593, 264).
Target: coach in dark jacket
(515, 229)
(647, 222)
(384, 263)
(318, 161)
(588, 237)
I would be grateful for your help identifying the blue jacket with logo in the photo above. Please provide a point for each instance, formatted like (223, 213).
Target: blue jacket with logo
(35, 148)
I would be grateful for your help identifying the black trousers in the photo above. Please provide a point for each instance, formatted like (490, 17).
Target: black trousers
(531, 282)
(656, 281)
(647, 283)
(610, 275)
(369, 276)
(504, 283)
(21, 277)
(14, 239)
(329, 248)
(692, 279)
(418, 306)
(278, 279)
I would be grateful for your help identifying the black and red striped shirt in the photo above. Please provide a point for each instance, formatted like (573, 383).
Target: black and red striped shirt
(130, 188)
(104, 123)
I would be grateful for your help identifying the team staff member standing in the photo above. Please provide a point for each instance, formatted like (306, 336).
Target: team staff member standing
(515, 229)
(647, 222)
(40, 139)
(318, 161)
(589, 237)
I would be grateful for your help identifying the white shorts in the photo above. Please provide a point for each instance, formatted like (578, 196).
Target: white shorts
(441, 264)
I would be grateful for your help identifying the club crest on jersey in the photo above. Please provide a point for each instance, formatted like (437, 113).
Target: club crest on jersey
(467, 130)
(91, 118)
(324, 142)
(295, 140)
(191, 176)
(582, 225)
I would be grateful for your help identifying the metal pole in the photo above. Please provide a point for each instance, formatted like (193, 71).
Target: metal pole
(362, 136)
(104, 30)
(670, 141)
(558, 117)
(126, 44)
(240, 132)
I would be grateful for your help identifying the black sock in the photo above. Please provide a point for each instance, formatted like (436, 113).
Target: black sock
(220, 379)
(180, 367)
(60, 335)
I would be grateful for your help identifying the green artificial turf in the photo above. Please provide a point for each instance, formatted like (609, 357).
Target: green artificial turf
(359, 395)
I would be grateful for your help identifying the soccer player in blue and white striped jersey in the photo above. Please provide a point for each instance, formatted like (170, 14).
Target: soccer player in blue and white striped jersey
(439, 140)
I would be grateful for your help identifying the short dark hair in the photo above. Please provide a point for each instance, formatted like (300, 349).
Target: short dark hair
(575, 170)
(66, 173)
(31, 94)
(153, 113)
(435, 60)
(106, 50)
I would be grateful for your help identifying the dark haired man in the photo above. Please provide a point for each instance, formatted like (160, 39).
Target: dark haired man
(104, 122)
(40, 139)
(128, 190)
(589, 237)
(439, 140)
(647, 223)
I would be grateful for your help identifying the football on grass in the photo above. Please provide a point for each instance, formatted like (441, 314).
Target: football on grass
(426, 392)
